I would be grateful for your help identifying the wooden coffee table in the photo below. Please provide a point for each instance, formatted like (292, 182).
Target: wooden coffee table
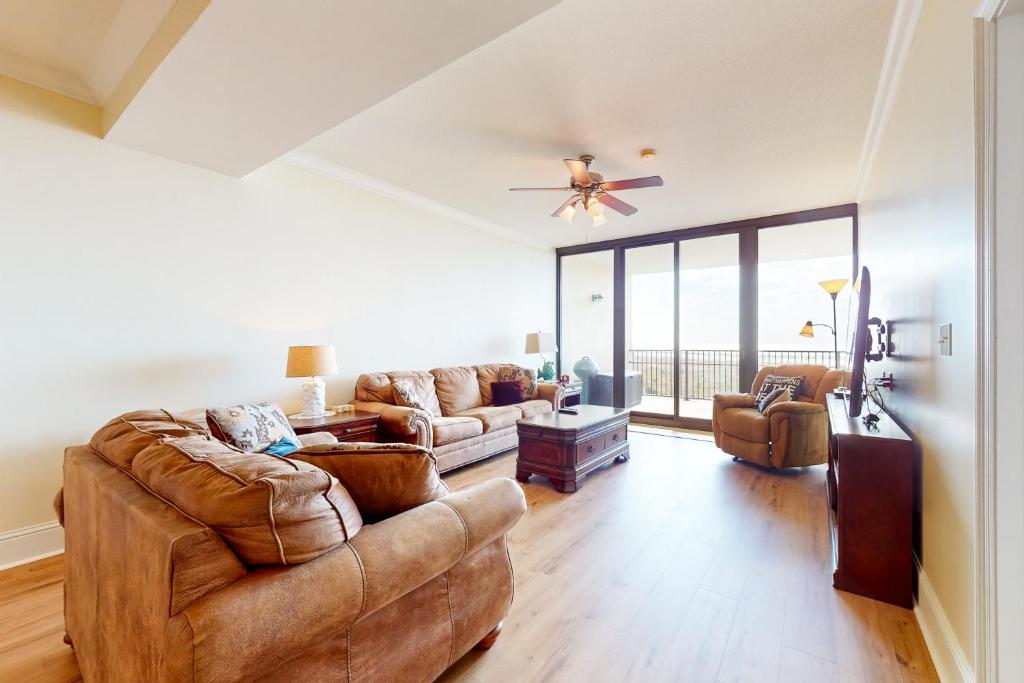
(566, 448)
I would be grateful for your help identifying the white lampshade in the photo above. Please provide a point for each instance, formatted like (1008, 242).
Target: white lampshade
(311, 361)
(540, 342)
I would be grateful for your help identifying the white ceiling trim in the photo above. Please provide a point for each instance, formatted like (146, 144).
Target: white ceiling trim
(329, 169)
(46, 77)
(901, 35)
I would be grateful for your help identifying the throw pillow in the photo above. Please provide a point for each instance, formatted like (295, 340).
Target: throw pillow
(526, 378)
(507, 393)
(406, 395)
(776, 396)
(773, 382)
(251, 428)
(283, 447)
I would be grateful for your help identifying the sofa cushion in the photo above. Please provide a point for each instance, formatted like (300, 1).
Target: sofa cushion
(527, 378)
(457, 389)
(423, 383)
(384, 479)
(494, 417)
(374, 387)
(124, 437)
(252, 428)
(745, 423)
(450, 429)
(537, 406)
(270, 510)
(485, 374)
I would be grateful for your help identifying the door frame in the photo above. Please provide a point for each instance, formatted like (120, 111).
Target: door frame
(747, 229)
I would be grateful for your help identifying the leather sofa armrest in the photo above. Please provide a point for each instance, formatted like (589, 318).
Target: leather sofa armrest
(316, 439)
(380, 564)
(402, 421)
(551, 393)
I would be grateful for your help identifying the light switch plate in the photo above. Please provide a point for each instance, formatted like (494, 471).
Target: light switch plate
(946, 339)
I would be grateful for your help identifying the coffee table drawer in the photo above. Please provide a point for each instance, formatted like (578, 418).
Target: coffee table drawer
(591, 448)
(615, 437)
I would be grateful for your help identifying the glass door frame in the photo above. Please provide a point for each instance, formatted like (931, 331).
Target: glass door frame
(747, 230)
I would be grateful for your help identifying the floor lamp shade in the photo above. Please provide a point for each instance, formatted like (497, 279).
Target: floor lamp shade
(312, 362)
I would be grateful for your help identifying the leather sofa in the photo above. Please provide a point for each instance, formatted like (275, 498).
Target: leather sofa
(189, 560)
(462, 424)
(787, 434)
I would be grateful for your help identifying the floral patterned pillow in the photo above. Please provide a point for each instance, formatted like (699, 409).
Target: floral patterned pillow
(252, 428)
(526, 378)
(406, 395)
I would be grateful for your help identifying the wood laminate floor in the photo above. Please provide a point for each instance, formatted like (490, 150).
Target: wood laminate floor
(679, 565)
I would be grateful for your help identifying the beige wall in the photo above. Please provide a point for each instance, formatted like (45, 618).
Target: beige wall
(130, 281)
(917, 236)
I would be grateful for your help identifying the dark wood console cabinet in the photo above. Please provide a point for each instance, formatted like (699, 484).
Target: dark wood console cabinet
(870, 485)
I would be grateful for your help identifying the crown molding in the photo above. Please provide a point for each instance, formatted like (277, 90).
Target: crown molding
(901, 36)
(329, 169)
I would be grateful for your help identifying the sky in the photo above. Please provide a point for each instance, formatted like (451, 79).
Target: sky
(788, 296)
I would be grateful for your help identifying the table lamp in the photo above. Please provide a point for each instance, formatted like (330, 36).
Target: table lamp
(312, 362)
(542, 342)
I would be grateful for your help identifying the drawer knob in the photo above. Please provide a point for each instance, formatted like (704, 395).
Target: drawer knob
(590, 448)
(615, 437)
(348, 430)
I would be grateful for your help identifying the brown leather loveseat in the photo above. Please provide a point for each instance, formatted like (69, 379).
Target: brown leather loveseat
(189, 560)
(789, 433)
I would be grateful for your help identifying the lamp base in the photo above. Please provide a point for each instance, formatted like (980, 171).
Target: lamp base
(314, 398)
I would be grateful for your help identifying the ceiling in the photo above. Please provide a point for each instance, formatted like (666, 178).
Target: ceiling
(80, 48)
(754, 108)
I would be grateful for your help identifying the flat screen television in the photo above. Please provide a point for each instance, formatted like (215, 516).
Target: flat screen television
(861, 342)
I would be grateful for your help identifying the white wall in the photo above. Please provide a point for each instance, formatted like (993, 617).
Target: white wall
(917, 236)
(129, 281)
(1009, 255)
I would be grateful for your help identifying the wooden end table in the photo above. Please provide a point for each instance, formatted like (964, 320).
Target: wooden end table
(566, 448)
(354, 425)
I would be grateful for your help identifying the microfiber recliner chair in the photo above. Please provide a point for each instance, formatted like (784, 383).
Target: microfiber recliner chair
(789, 433)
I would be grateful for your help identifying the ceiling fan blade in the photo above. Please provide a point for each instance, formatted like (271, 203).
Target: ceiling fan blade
(616, 204)
(571, 201)
(539, 189)
(633, 183)
(579, 171)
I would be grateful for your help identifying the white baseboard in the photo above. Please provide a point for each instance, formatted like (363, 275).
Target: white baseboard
(35, 542)
(951, 663)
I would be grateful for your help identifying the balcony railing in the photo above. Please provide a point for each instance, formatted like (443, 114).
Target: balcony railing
(706, 372)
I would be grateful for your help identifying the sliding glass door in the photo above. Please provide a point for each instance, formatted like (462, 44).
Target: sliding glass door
(661, 323)
(709, 319)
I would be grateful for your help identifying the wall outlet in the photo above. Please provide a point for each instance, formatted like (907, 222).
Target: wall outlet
(946, 339)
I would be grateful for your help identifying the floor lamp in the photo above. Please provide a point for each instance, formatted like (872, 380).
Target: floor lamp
(833, 287)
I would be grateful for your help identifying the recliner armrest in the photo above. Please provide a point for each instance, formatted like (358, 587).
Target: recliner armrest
(794, 408)
(551, 393)
(726, 401)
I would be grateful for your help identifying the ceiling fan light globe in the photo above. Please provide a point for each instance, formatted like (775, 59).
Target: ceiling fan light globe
(599, 219)
(567, 213)
(594, 208)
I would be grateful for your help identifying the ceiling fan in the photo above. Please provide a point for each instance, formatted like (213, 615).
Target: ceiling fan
(591, 189)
